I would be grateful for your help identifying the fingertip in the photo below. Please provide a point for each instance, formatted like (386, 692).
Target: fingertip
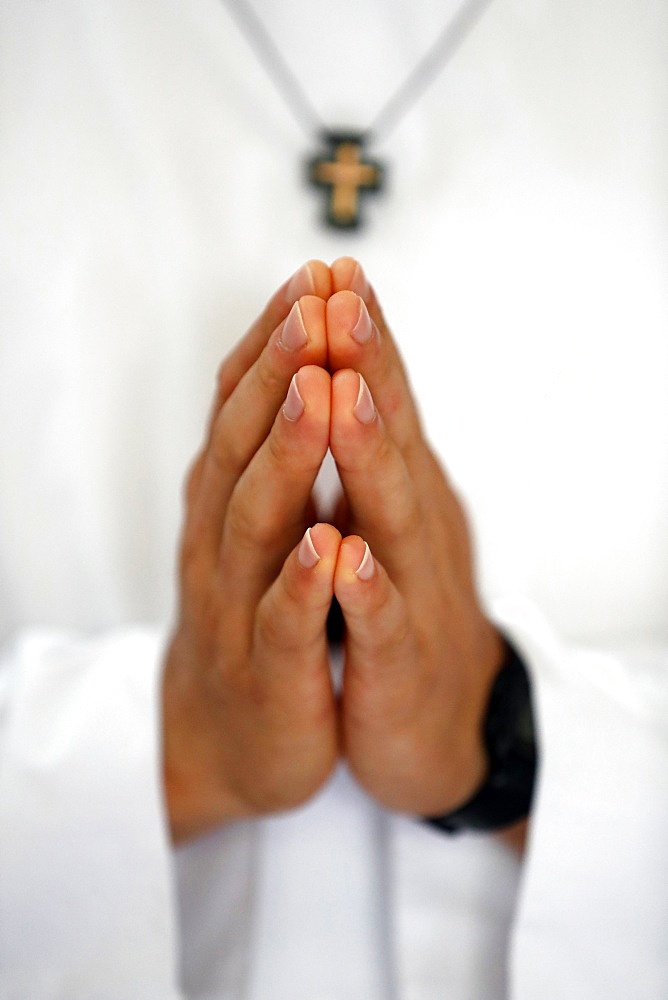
(319, 544)
(353, 413)
(294, 406)
(351, 333)
(364, 408)
(326, 539)
(312, 375)
(355, 562)
(309, 389)
(293, 613)
(301, 334)
(301, 430)
(312, 309)
(357, 584)
(307, 554)
(367, 566)
(372, 607)
(293, 335)
(343, 311)
(346, 385)
(348, 273)
(312, 278)
(322, 278)
(363, 330)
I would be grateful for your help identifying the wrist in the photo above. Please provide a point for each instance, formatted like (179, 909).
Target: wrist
(474, 756)
(504, 797)
(195, 800)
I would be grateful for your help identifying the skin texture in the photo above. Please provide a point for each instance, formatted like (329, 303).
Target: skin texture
(251, 722)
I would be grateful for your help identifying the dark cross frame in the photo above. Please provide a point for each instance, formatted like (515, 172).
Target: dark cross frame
(345, 174)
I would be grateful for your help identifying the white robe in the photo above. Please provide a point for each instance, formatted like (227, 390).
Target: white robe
(150, 200)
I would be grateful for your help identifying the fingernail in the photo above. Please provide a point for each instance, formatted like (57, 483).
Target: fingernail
(367, 567)
(364, 409)
(301, 283)
(293, 335)
(358, 282)
(363, 329)
(307, 553)
(293, 407)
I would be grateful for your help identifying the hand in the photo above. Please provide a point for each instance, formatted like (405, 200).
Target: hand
(250, 719)
(421, 654)
(249, 714)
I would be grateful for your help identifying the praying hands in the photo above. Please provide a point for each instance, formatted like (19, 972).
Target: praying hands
(252, 723)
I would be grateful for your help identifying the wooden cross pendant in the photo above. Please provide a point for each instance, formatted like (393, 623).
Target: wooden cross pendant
(345, 174)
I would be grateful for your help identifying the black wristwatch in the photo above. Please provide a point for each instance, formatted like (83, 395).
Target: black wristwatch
(505, 797)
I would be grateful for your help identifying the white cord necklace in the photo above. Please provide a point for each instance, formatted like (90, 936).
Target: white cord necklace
(342, 169)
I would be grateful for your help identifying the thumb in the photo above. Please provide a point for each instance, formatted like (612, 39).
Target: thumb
(291, 618)
(374, 611)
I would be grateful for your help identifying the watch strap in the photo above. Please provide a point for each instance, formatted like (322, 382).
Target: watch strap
(506, 794)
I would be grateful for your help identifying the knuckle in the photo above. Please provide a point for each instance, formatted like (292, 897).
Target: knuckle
(269, 381)
(396, 637)
(411, 516)
(254, 524)
(267, 629)
(288, 455)
(270, 631)
(401, 518)
(383, 628)
(386, 360)
(242, 522)
(226, 449)
(386, 454)
(395, 405)
(278, 453)
(194, 564)
(399, 501)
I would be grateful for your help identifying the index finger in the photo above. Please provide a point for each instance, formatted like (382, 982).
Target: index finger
(348, 275)
(355, 341)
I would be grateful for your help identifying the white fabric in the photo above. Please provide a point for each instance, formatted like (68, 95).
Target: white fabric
(81, 822)
(595, 908)
(150, 200)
